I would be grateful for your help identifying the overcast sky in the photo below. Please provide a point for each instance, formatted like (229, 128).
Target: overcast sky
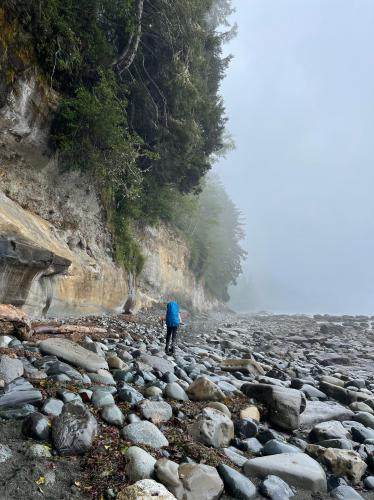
(299, 96)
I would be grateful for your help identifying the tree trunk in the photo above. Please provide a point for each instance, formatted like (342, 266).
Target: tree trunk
(128, 55)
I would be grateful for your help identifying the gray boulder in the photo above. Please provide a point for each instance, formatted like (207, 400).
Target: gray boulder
(213, 428)
(140, 464)
(74, 430)
(236, 485)
(190, 481)
(319, 411)
(284, 405)
(203, 389)
(174, 391)
(156, 411)
(73, 353)
(145, 433)
(345, 493)
(112, 415)
(275, 488)
(10, 368)
(297, 469)
(328, 430)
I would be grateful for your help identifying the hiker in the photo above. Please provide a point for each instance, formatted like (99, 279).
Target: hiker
(173, 320)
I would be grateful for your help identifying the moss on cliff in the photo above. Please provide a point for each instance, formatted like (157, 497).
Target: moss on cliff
(16, 52)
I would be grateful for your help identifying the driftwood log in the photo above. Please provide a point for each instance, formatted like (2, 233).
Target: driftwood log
(14, 321)
(69, 329)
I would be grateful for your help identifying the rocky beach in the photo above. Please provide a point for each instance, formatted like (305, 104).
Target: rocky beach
(249, 407)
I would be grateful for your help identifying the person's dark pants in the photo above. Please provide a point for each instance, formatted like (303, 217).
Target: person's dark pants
(171, 334)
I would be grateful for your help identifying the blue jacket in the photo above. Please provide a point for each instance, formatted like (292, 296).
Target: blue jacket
(172, 314)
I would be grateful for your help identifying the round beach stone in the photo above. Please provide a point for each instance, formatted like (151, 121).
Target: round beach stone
(219, 406)
(145, 489)
(146, 433)
(112, 415)
(175, 391)
(140, 464)
(152, 391)
(203, 389)
(100, 399)
(156, 411)
(52, 407)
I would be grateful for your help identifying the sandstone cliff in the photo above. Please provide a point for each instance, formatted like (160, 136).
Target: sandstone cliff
(55, 248)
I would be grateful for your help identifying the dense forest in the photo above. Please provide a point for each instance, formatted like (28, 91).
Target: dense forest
(140, 108)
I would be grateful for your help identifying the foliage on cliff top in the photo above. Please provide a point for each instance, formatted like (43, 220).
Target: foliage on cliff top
(140, 104)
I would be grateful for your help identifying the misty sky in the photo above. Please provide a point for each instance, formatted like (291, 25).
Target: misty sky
(299, 96)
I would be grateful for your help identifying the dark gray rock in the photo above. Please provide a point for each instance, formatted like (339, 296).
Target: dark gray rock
(284, 405)
(320, 411)
(251, 444)
(73, 353)
(37, 426)
(328, 430)
(59, 367)
(297, 469)
(275, 488)
(130, 395)
(264, 435)
(274, 447)
(236, 456)
(246, 428)
(17, 393)
(16, 413)
(236, 484)
(74, 430)
(68, 396)
(341, 444)
(369, 482)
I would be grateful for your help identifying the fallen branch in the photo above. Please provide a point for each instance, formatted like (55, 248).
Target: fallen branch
(69, 329)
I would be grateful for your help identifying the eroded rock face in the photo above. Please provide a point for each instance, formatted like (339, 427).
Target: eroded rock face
(74, 430)
(42, 274)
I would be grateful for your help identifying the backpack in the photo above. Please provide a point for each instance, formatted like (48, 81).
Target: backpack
(172, 314)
